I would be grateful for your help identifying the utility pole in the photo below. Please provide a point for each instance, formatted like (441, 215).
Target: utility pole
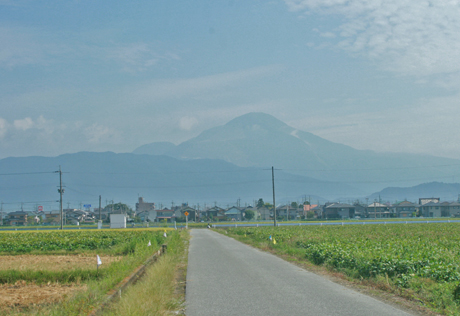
(1, 215)
(100, 218)
(274, 205)
(375, 211)
(61, 192)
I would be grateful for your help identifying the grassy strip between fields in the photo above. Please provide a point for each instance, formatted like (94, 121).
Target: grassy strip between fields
(161, 289)
(98, 283)
(424, 294)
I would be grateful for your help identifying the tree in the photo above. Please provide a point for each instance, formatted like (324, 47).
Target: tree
(119, 208)
(249, 214)
(294, 205)
(260, 203)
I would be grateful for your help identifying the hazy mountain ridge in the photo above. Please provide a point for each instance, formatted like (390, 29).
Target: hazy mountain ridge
(260, 140)
(160, 179)
(444, 191)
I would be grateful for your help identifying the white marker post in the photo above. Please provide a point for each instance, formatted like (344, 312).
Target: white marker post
(99, 262)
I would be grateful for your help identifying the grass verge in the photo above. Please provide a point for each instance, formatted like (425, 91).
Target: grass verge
(161, 289)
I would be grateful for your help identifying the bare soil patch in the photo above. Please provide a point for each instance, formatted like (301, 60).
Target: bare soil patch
(53, 263)
(21, 294)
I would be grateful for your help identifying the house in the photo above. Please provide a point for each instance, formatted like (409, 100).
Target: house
(405, 209)
(74, 216)
(360, 210)
(51, 218)
(308, 211)
(431, 209)
(165, 214)
(214, 214)
(179, 212)
(454, 209)
(289, 212)
(142, 206)
(377, 210)
(338, 211)
(264, 213)
(234, 213)
(250, 208)
(18, 218)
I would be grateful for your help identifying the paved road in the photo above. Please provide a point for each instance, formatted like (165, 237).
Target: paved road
(226, 277)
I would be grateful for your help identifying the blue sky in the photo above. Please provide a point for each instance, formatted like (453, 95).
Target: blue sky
(113, 75)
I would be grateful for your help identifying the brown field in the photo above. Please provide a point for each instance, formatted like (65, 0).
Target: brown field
(52, 263)
(21, 295)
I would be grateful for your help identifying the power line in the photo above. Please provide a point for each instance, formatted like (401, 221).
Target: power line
(173, 186)
(30, 202)
(370, 169)
(25, 173)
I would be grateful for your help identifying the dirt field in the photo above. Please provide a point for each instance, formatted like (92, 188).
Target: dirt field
(52, 263)
(21, 294)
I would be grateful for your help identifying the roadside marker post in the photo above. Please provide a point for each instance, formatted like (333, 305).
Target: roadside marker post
(99, 262)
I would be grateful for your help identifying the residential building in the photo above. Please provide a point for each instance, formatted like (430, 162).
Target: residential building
(377, 210)
(338, 211)
(234, 213)
(265, 214)
(214, 214)
(142, 206)
(431, 209)
(18, 218)
(165, 214)
(405, 209)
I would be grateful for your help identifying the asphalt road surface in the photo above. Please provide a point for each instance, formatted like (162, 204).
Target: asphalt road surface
(226, 277)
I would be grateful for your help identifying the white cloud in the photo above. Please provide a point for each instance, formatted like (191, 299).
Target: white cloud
(406, 36)
(24, 124)
(40, 124)
(41, 136)
(23, 46)
(174, 89)
(187, 123)
(96, 133)
(131, 57)
(429, 126)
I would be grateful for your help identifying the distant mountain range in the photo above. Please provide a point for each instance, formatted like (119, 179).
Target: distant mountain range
(227, 163)
(260, 140)
(444, 191)
(160, 179)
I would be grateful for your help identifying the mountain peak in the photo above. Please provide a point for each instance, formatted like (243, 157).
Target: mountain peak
(261, 119)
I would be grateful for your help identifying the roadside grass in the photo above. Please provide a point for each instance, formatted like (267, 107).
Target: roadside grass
(156, 293)
(135, 252)
(422, 294)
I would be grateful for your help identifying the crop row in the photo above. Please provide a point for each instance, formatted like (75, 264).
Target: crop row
(399, 251)
(25, 242)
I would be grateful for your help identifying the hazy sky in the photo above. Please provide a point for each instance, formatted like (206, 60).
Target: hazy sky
(113, 75)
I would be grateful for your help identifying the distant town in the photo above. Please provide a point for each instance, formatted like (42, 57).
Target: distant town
(146, 212)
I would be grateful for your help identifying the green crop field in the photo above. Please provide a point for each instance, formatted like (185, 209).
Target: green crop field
(113, 241)
(122, 250)
(418, 261)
